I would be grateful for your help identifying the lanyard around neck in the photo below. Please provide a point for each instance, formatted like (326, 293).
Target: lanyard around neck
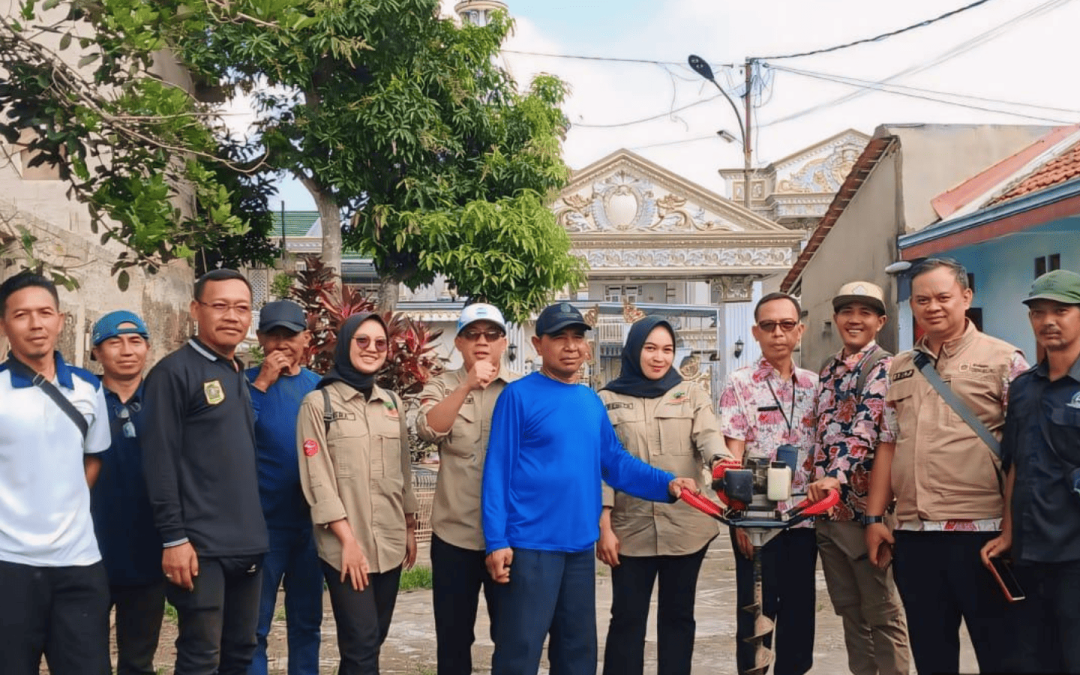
(787, 419)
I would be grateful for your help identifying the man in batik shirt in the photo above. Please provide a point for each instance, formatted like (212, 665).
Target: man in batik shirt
(851, 403)
(762, 407)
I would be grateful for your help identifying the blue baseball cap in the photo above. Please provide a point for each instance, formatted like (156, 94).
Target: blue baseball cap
(116, 323)
(285, 313)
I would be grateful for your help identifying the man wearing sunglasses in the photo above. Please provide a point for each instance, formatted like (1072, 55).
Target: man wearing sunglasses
(455, 414)
(124, 523)
(763, 407)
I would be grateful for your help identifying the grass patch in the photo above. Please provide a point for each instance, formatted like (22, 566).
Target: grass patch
(414, 579)
(170, 613)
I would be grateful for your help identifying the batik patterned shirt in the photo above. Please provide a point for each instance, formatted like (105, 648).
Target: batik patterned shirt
(850, 424)
(766, 411)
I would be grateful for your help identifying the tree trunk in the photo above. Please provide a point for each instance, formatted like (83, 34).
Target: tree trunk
(389, 289)
(330, 222)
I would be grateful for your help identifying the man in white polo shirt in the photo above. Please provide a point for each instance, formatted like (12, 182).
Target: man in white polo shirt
(54, 590)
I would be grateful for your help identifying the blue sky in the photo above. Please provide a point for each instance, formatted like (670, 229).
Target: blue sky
(1004, 50)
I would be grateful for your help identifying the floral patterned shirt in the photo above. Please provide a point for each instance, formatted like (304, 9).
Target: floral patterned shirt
(1017, 365)
(759, 407)
(850, 425)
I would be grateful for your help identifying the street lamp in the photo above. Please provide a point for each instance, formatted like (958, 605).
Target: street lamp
(702, 68)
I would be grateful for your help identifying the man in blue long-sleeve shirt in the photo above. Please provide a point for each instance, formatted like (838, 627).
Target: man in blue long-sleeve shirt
(551, 444)
(278, 386)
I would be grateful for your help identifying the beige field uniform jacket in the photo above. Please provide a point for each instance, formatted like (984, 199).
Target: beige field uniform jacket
(359, 470)
(455, 514)
(677, 432)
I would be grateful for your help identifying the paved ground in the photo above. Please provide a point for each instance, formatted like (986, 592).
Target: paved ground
(410, 648)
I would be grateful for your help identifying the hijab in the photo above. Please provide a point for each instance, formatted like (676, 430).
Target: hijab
(343, 369)
(632, 381)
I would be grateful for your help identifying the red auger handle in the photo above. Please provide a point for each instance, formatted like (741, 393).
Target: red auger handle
(701, 503)
(808, 508)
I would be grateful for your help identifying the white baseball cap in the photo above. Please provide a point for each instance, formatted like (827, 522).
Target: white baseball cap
(480, 312)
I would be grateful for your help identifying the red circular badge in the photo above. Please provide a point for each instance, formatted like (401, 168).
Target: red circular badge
(311, 447)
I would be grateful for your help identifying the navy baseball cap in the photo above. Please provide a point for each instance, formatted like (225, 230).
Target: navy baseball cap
(556, 317)
(284, 313)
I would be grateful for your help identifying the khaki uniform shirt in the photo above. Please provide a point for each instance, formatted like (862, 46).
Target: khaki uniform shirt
(455, 514)
(677, 432)
(359, 470)
(941, 470)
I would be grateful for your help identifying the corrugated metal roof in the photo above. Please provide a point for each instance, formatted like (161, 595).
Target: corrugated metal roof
(297, 223)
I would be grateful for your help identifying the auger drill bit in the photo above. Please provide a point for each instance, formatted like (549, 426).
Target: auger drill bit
(763, 625)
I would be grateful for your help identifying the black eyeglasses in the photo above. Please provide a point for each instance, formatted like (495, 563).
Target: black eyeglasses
(124, 413)
(472, 335)
(363, 342)
(787, 325)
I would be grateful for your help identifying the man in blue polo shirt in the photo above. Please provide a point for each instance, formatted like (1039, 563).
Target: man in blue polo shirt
(129, 542)
(54, 594)
(277, 388)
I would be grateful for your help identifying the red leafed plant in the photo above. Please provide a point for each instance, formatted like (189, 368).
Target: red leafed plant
(411, 360)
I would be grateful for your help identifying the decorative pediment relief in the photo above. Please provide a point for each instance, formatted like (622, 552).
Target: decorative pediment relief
(821, 168)
(626, 194)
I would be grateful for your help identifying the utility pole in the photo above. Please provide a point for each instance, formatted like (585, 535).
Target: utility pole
(749, 68)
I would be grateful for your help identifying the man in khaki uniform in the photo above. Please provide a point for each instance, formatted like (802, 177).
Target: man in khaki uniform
(850, 426)
(944, 478)
(455, 413)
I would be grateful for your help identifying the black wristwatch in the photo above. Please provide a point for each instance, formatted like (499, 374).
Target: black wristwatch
(870, 520)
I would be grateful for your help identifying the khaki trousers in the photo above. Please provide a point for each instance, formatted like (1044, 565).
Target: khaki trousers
(865, 598)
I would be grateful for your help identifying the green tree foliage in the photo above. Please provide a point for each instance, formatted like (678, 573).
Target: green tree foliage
(81, 93)
(405, 124)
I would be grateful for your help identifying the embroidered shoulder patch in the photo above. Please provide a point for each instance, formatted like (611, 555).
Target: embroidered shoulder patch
(391, 409)
(311, 447)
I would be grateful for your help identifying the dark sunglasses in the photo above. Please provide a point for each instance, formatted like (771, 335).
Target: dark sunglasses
(124, 413)
(473, 335)
(363, 342)
(787, 325)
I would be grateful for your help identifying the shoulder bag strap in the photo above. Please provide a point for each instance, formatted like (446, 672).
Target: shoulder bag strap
(328, 411)
(876, 357)
(52, 392)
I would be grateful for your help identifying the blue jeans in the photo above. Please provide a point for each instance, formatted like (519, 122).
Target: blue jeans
(549, 592)
(292, 557)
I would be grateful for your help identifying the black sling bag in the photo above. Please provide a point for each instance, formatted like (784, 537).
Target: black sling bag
(52, 392)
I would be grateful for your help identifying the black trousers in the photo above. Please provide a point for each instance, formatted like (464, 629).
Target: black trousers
(363, 618)
(1048, 638)
(59, 612)
(631, 585)
(218, 618)
(789, 564)
(457, 576)
(941, 579)
(139, 611)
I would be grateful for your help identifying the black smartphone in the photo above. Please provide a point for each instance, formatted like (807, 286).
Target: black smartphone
(1002, 571)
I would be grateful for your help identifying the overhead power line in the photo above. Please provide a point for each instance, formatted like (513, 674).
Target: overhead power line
(911, 93)
(876, 38)
(612, 59)
(669, 113)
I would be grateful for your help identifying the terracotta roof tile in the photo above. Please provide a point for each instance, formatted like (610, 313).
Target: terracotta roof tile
(1064, 167)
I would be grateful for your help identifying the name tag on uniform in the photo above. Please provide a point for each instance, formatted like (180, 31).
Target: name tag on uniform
(214, 392)
(903, 375)
(617, 405)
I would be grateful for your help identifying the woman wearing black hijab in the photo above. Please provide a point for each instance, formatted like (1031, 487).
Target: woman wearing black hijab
(356, 476)
(670, 424)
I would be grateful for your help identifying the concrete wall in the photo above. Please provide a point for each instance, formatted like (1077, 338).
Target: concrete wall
(938, 157)
(859, 247)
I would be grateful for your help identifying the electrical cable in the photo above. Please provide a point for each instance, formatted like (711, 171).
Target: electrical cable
(883, 89)
(953, 52)
(876, 38)
(642, 120)
(681, 64)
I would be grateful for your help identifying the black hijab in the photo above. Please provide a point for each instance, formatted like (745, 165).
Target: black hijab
(343, 369)
(632, 381)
